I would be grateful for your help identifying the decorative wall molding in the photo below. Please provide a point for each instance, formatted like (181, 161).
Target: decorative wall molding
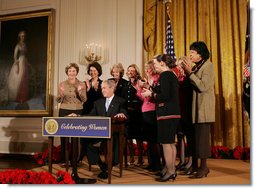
(16, 6)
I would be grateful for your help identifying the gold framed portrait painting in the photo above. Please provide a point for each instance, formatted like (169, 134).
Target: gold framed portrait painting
(26, 44)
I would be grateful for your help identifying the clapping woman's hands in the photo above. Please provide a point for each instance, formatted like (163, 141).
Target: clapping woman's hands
(88, 84)
(143, 83)
(146, 93)
(186, 65)
(73, 115)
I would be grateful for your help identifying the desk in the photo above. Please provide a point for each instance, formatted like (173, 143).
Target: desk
(116, 127)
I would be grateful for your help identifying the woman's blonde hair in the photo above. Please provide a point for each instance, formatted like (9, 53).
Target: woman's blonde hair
(119, 67)
(138, 74)
(150, 64)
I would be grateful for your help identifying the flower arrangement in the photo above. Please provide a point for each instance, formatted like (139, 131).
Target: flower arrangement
(42, 158)
(19, 176)
(222, 152)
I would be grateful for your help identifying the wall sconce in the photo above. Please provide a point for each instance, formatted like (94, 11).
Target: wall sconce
(92, 53)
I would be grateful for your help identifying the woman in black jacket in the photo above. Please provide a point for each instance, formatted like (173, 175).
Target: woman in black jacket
(166, 95)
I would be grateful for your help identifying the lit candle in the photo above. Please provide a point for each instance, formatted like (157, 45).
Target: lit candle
(90, 48)
(86, 50)
(93, 48)
(96, 52)
(100, 50)
(80, 56)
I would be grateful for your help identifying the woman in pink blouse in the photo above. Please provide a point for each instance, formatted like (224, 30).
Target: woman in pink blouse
(149, 117)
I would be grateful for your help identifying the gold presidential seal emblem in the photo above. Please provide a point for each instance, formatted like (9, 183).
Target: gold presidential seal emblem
(51, 126)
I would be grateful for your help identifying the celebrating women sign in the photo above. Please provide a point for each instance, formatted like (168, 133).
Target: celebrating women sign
(87, 127)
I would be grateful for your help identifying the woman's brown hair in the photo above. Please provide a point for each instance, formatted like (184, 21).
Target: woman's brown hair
(74, 65)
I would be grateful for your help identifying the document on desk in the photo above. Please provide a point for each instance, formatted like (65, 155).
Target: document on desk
(87, 127)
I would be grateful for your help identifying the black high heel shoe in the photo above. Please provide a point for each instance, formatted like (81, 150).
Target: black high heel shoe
(180, 165)
(201, 173)
(167, 177)
(190, 171)
(79, 180)
(162, 172)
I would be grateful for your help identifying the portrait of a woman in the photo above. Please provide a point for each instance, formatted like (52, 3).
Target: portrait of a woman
(18, 77)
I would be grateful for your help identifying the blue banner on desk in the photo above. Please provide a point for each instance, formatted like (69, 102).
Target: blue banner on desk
(87, 127)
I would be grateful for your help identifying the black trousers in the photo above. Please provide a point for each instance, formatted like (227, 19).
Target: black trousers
(93, 153)
(63, 113)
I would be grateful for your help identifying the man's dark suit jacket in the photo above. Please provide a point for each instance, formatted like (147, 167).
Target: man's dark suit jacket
(116, 106)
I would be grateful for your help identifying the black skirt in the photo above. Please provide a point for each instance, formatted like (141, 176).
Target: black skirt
(167, 130)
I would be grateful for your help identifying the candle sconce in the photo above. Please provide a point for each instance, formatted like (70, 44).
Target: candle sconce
(92, 53)
(93, 58)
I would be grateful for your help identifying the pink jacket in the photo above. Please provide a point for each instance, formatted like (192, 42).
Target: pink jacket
(147, 105)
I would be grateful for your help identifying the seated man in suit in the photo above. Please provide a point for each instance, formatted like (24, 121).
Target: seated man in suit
(111, 106)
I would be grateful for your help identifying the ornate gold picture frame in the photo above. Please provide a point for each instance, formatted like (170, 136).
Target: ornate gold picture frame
(26, 55)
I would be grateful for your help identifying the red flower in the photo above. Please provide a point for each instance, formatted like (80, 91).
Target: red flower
(226, 153)
(246, 153)
(30, 177)
(238, 152)
(63, 177)
(42, 158)
(40, 162)
(45, 154)
(215, 152)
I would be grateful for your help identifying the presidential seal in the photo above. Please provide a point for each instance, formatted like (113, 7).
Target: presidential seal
(51, 126)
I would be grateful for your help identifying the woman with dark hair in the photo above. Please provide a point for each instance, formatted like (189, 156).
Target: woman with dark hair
(201, 77)
(166, 95)
(94, 91)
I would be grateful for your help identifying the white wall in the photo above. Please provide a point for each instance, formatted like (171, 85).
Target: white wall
(115, 24)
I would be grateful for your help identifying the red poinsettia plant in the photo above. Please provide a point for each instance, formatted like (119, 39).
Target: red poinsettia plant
(42, 158)
(241, 153)
(19, 176)
(222, 152)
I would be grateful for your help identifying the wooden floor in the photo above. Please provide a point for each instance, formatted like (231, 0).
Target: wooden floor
(223, 172)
